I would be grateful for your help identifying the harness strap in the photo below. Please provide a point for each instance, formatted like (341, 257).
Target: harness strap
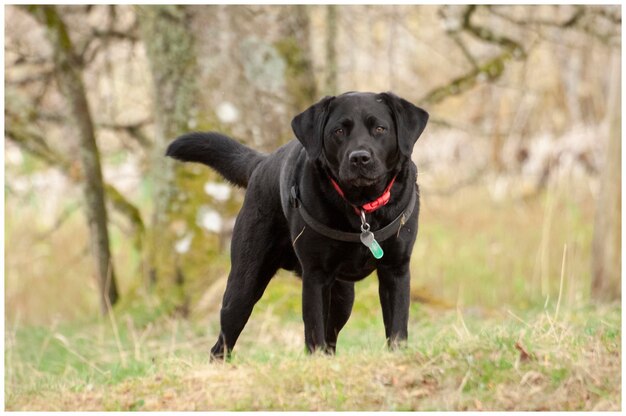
(381, 235)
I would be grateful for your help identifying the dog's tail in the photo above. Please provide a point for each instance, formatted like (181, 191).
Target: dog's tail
(234, 161)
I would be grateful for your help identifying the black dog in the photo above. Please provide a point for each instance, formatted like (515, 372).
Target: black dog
(334, 206)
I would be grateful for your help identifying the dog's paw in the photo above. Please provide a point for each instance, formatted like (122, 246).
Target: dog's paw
(396, 344)
(218, 354)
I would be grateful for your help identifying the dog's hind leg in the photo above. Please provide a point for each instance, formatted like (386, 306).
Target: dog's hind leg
(341, 301)
(255, 258)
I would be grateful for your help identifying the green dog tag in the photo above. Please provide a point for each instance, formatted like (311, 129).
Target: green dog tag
(368, 240)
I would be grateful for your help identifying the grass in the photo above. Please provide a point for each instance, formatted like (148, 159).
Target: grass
(512, 361)
(485, 329)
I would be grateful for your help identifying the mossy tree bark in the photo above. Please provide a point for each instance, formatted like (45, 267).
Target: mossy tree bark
(170, 50)
(295, 48)
(69, 78)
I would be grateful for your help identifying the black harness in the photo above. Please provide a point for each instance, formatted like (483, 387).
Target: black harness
(393, 228)
(291, 197)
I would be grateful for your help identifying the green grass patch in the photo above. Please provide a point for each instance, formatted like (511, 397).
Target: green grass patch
(454, 361)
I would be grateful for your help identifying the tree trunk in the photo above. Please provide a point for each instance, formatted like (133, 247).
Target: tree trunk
(331, 84)
(170, 50)
(295, 48)
(606, 260)
(70, 82)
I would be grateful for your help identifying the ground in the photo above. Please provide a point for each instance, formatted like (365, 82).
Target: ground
(501, 319)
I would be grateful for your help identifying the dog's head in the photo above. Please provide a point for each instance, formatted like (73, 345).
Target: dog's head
(360, 137)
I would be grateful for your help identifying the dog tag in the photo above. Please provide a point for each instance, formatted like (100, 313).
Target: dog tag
(368, 240)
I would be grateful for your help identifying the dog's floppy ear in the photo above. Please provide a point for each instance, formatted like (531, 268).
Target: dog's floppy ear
(410, 121)
(308, 126)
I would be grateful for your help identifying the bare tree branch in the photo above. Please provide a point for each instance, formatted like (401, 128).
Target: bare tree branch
(455, 37)
(29, 140)
(581, 20)
(489, 70)
(132, 129)
(566, 23)
(489, 36)
(116, 34)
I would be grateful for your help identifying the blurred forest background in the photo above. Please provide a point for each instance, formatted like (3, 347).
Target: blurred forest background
(519, 167)
(523, 104)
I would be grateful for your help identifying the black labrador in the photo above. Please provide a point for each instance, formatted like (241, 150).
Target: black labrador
(333, 206)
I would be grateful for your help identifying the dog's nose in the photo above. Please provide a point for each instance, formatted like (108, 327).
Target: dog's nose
(360, 157)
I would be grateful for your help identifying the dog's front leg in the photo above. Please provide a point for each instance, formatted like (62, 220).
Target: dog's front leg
(394, 291)
(315, 303)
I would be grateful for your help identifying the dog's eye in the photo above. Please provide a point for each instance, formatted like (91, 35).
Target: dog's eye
(379, 129)
(339, 132)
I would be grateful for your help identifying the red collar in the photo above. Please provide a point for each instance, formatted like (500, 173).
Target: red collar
(370, 206)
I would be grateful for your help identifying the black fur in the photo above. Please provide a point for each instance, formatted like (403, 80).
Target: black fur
(410, 121)
(233, 160)
(308, 126)
(270, 234)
